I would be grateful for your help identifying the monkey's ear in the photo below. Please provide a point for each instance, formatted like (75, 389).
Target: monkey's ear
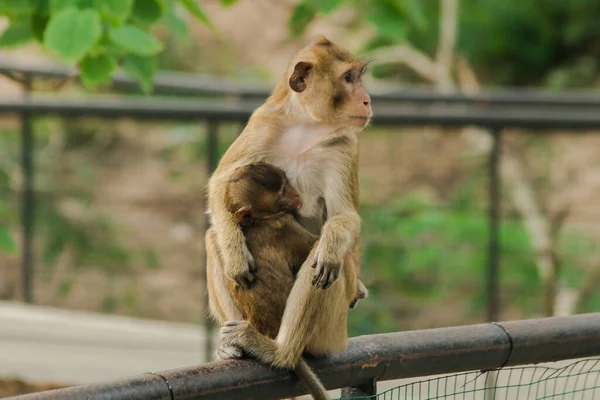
(243, 216)
(299, 79)
(321, 40)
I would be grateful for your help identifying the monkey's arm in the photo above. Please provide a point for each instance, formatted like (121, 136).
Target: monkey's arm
(301, 242)
(342, 228)
(238, 263)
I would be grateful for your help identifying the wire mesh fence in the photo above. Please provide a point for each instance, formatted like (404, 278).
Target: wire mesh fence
(579, 380)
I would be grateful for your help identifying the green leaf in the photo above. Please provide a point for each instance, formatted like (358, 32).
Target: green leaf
(141, 69)
(7, 243)
(302, 15)
(39, 22)
(57, 6)
(326, 6)
(16, 7)
(42, 7)
(176, 25)
(71, 33)
(227, 3)
(19, 32)
(87, 4)
(387, 20)
(97, 70)
(148, 11)
(197, 12)
(414, 12)
(117, 10)
(135, 40)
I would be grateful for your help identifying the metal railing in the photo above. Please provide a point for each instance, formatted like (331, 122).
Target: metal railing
(206, 86)
(368, 360)
(494, 111)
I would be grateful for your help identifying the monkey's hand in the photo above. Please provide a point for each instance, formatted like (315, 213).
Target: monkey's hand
(361, 293)
(338, 235)
(240, 267)
(327, 267)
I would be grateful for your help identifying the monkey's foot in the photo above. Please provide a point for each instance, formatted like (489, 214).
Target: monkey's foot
(361, 293)
(242, 335)
(234, 333)
(229, 353)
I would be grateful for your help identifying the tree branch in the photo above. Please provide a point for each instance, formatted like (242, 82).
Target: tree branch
(412, 58)
(446, 43)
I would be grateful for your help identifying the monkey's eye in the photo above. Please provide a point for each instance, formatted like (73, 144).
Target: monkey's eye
(348, 77)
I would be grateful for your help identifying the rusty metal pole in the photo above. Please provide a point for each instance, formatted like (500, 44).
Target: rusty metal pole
(493, 303)
(383, 357)
(27, 198)
(368, 388)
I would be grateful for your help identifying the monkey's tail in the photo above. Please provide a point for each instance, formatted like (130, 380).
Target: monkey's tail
(311, 381)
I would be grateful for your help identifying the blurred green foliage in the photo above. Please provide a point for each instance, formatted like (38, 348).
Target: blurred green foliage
(98, 35)
(407, 240)
(67, 222)
(538, 42)
(417, 251)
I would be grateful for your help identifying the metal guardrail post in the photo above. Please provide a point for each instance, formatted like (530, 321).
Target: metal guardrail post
(27, 197)
(212, 159)
(493, 305)
(368, 388)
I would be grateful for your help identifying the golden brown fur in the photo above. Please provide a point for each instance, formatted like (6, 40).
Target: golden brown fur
(308, 128)
(263, 203)
(278, 243)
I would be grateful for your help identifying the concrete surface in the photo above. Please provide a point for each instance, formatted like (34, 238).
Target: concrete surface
(48, 344)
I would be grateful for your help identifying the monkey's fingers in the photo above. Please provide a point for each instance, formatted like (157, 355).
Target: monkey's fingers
(229, 327)
(229, 353)
(317, 276)
(332, 277)
(246, 280)
(354, 301)
(250, 260)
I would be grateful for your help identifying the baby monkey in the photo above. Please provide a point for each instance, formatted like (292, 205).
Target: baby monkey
(264, 204)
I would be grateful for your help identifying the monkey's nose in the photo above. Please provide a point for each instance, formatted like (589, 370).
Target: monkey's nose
(366, 103)
(299, 204)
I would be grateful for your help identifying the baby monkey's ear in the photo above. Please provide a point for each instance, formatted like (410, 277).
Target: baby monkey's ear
(243, 216)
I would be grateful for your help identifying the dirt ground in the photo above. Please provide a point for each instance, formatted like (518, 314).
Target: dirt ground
(14, 387)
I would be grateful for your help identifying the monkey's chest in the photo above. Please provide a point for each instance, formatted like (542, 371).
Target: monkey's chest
(308, 179)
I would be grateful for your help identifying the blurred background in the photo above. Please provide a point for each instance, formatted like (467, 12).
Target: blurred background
(118, 217)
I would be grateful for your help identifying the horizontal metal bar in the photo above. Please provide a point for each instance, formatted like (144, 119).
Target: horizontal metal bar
(203, 85)
(164, 82)
(116, 107)
(382, 357)
(177, 109)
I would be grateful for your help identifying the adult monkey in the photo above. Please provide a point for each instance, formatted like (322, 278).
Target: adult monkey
(308, 127)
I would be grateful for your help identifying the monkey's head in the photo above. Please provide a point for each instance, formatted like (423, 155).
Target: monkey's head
(259, 191)
(326, 80)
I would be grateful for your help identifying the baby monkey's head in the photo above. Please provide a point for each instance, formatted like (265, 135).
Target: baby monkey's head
(258, 191)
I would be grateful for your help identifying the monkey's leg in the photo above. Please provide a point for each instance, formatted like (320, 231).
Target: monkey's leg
(314, 320)
(221, 304)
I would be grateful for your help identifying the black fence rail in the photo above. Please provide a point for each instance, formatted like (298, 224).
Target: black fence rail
(208, 86)
(493, 111)
(368, 359)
